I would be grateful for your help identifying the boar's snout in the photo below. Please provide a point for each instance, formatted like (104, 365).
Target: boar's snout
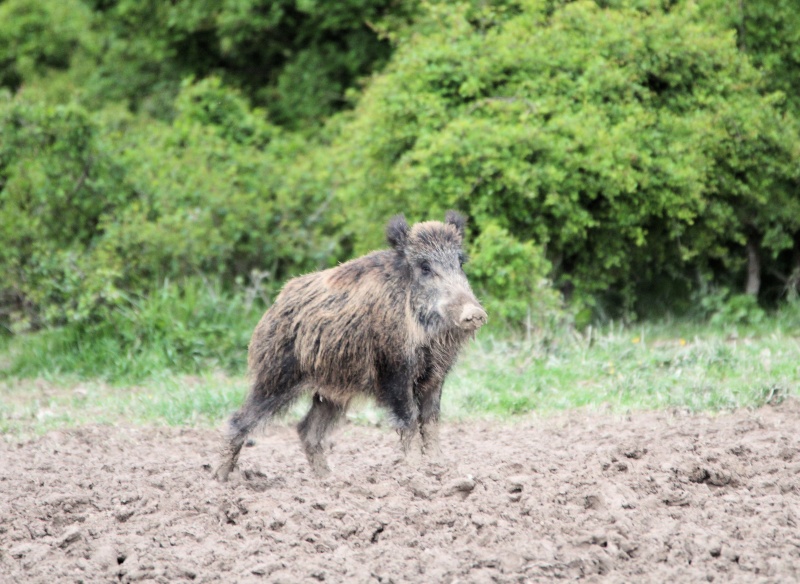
(472, 317)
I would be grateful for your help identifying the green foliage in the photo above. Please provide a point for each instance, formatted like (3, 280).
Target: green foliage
(739, 309)
(36, 37)
(60, 185)
(634, 145)
(170, 329)
(296, 59)
(789, 314)
(208, 103)
(90, 217)
(727, 309)
(512, 277)
(768, 31)
(220, 192)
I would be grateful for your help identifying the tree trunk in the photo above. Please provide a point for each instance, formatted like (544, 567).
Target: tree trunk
(793, 283)
(753, 267)
(797, 252)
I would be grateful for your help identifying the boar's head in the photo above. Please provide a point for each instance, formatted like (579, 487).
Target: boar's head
(432, 259)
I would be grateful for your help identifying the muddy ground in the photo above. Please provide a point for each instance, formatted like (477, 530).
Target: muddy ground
(649, 497)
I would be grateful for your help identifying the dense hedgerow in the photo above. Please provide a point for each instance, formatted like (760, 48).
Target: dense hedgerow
(635, 156)
(639, 148)
(97, 208)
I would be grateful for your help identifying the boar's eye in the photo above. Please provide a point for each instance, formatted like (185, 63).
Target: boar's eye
(425, 267)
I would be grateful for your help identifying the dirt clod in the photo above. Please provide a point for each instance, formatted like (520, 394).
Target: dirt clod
(463, 486)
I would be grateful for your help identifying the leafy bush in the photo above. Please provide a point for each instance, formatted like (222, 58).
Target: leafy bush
(512, 278)
(170, 329)
(296, 59)
(768, 31)
(94, 209)
(59, 186)
(725, 308)
(219, 192)
(636, 146)
(37, 37)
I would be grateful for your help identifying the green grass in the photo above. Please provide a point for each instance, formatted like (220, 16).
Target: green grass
(37, 405)
(645, 367)
(656, 365)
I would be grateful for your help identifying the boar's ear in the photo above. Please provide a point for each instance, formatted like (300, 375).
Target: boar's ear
(397, 232)
(456, 219)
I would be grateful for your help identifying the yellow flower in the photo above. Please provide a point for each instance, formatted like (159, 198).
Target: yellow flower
(682, 342)
(635, 340)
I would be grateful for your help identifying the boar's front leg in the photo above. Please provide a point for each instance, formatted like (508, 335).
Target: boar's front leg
(430, 397)
(397, 395)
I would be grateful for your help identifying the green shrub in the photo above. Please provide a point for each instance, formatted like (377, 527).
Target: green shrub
(725, 308)
(219, 192)
(171, 328)
(295, 59)
(633, 145)
(512, 279)
(210, 104)
(60, 185)
(97, 208)
(39, 37)
(768, 31)
(740, 309)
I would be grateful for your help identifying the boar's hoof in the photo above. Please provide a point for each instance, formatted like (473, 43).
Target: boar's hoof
(433, 453)
(222, 472)
(472, 318)
(320, 468)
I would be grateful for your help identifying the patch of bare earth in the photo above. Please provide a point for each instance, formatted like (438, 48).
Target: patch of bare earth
(651, 497)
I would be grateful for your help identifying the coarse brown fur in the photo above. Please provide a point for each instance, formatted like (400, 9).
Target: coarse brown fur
(387, 325)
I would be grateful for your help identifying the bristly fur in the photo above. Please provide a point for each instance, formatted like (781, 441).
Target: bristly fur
(458, 220)
(371, 326)
(397, 231)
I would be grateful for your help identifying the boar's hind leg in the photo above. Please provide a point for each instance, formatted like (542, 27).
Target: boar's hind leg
(313, 429)
(257, 408)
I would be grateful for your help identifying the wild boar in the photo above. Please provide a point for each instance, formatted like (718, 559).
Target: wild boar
(387, 325)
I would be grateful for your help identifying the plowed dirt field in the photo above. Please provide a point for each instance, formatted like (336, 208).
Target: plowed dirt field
(648, 497)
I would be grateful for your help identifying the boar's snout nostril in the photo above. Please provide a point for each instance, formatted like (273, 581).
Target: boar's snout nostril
(472, 317)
